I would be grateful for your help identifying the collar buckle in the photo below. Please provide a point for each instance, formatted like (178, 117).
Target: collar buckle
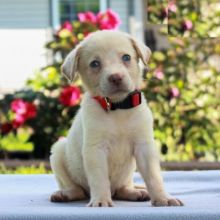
(108, 106)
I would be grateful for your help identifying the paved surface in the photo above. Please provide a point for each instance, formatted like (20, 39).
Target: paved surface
(27, 197)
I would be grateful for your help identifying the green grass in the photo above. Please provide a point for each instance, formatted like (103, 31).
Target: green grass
(24, 170)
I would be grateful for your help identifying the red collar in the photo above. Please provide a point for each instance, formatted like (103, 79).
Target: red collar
(131, 101)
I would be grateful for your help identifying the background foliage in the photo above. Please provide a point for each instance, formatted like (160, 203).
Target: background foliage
(185, 80)
(191, 18)
(182, 88)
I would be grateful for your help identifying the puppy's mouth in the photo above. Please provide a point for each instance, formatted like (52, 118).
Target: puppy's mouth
(118, 90)
(117, 94)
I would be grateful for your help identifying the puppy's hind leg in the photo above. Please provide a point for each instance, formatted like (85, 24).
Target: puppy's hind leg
(69, 191)
(132, 192)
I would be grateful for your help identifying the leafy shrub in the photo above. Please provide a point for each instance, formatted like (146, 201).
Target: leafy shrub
(17, 141)
(50, 122)
(186, 18)
(183, 86)
(157, 11)
(183, 90)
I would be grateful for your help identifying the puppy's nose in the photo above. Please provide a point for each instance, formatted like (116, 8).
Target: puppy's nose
(115, 79)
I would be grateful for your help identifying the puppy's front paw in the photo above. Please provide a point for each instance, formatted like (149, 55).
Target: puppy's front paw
(102, 202)
(167, 202)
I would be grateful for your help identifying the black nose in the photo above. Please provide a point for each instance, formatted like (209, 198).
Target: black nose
(115, 79)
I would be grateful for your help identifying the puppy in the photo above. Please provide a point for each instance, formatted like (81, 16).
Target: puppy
(113, 130)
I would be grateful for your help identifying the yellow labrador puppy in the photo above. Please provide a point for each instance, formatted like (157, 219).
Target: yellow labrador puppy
(113, 130)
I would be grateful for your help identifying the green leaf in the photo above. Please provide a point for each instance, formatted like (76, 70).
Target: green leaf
(159, 56)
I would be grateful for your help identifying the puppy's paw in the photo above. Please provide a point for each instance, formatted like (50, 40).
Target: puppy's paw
(102, 202)
(59, 196)
(142, 195)
(132, 194)
(68, 195)
(167, 202)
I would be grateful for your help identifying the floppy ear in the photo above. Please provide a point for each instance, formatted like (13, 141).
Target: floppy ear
(70, 66)
(142, 50)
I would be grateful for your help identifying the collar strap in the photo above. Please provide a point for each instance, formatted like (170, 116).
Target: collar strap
(131, 101)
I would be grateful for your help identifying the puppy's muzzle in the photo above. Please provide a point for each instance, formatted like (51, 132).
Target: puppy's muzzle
(115, 79)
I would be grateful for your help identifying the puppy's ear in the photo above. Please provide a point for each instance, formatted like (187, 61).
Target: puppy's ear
(142, 50)
(69, 67)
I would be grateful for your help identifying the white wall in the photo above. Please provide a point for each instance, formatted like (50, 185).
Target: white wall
(137, 21)
(21, 53)
(133, 24)
(121, 8)
(24, 14)
(24, 29)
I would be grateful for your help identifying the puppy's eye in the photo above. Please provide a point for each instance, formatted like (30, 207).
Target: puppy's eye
(95, 64)
(126, 57)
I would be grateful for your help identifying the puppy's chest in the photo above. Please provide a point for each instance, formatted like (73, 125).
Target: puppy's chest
(119, 149)
(121, 130)
(123, 127)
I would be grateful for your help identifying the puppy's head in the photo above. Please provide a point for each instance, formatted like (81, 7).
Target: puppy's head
(107, 62)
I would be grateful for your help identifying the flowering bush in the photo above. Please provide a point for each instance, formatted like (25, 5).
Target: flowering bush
(34, 118)
(43, 120)
(183, 90)
(186, 18)
(184, 80)
(71, 33)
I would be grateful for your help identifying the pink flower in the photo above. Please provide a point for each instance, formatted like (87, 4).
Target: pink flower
(87, 17)
(172, 6)
(18, 121)
(23, 111)
(18, 106)
(187, 25)
(67, 25)
(174, 92)
(31, 111)
(159, 74)
(70, 96)
(108, 20)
